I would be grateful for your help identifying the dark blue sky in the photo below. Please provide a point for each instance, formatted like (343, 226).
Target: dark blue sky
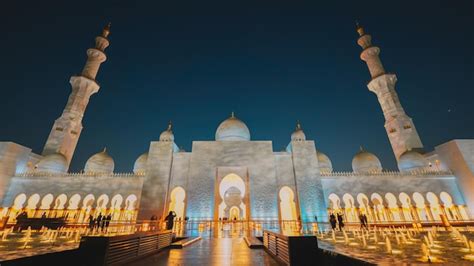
(272, 62)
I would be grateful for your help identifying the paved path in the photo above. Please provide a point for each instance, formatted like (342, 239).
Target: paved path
(211, 251)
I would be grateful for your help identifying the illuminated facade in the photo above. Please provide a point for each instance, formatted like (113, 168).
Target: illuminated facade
(237, 178)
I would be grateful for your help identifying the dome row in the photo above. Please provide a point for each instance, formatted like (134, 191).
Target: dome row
(363, 162)
(99, 163)
(233, 129)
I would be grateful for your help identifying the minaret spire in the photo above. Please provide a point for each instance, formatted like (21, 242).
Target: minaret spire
(67, 128)
(400, 128)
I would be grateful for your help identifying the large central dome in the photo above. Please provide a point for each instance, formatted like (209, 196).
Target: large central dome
(232, 129)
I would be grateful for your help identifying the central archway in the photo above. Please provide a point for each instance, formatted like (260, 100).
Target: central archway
(232, 198)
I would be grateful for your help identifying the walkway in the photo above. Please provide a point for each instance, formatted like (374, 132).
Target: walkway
(211, 251)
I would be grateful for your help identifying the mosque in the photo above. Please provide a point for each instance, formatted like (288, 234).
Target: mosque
(235, 177)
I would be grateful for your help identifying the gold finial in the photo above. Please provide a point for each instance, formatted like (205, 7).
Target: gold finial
(170, 125)
(298, 125)
(232, 114)
(359, 29)
(105, 150)
(106, 30)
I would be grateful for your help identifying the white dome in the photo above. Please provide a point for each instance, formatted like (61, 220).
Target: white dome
(232, 129)
(298, 134)
(100, 163)
(140, 164)
(366, 162)
(325, 164)
(411, 161)
(167, 135)
(53, 163)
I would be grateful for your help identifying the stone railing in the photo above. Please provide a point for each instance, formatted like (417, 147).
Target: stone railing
(390, 173)
(80, 175)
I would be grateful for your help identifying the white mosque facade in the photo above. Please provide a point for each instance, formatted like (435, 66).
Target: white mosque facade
(236, 177)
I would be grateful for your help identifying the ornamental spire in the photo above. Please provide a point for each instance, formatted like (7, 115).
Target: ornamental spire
(298, 125)
(359, 28)
(106, 30)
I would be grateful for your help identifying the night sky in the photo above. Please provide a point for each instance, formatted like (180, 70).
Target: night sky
(272, 62)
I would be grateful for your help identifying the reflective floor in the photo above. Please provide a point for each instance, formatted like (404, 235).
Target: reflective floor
(211, 251)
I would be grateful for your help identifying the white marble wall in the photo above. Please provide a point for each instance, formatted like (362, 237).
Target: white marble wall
(155, 185)
(458, 155)
(13, 158)
(308, 181)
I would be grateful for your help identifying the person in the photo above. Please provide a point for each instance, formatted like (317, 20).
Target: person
(107, 221)
(366, 222)
(102, 224)
(91, 222)
(170, 220)
(340, 221)
(99, 220)
(332, 221)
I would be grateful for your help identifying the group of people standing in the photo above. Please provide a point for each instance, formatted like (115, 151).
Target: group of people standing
(102, 222)
(335, 220)
(338, 219)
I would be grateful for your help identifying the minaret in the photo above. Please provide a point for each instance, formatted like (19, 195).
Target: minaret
(399, 126)
(67, 128)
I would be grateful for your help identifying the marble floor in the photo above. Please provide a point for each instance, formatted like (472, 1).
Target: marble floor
(211, 251)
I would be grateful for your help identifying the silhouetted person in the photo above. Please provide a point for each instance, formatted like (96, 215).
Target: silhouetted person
(107, 221)
(340, 221)
(170, 220)
(99, 220)
(332, 221)
(91, 222)
(366, 223)
(102, 223)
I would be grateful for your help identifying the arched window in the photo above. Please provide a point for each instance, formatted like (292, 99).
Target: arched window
(60, 202)
(393, 207)
(406, 206)
(287, 204)
(420, 206)
(33, 201)
(349, 207)
(379, 209)
(74, 202)
(19, 201)
(177, 197)
(46, 202)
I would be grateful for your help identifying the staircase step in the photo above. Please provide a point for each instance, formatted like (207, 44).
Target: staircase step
(253, 242)
(184, 242)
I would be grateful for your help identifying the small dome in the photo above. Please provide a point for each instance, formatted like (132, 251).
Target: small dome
(411, 161)
(366, 162)
(100, 163)
(298, 134)
(232, 129)
(140, 164)
(325, 164)
(53, 163)
(167, 135)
